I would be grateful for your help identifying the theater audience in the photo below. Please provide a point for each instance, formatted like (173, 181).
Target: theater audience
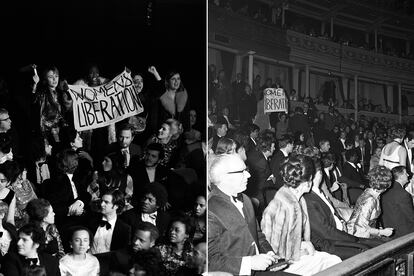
(79, 261)
(8, 239)
(41, 213)
(198, 214)
(149, 209)
(397, 205)
(22, 188)
(125, 146)
(7, 195)
(111, 176)
(260, 170)
(109, 232)
(148, 170)
(165, 138)
(285, 220)
(66, 190)
(177, 250)
(328, 228)
(363, 221)
(30, 241)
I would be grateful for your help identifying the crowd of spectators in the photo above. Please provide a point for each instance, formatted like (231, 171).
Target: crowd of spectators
(107, 201)
(272, 14)
(323, 186)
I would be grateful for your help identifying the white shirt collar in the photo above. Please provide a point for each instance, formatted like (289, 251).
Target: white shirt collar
(284, 152)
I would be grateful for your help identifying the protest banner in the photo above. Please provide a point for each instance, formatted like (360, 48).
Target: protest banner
(95, 107)
(275, 100)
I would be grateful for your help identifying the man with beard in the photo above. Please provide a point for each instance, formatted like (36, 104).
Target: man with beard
(148, 170)
(125, 146)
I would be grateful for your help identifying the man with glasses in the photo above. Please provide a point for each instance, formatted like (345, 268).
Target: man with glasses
(6, 129)
(235, 242)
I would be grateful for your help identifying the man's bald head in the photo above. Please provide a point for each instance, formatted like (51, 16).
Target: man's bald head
(228, 172)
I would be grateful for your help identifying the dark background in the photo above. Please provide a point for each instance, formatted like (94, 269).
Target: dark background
(71, 34)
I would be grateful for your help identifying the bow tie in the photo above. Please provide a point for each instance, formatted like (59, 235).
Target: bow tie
(31, 261)
(103, 223)
(41, 164)
(239, 197)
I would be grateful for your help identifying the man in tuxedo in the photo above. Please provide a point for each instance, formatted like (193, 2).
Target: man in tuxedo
(66, 190)
(354, 173)
(238, 90)
(144, 238)
(253, 131)
(364, 157)
(328, 233)
(125, 146)
(370, 143)
(109, 232)
(144, 172)
(285, 149)
(221, 129)
(235, 242)
(259, 168)
(154, 197)
(28, 256)
(397, 205)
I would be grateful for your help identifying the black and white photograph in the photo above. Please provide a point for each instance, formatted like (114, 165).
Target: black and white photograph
(102, 137)
(311, 135)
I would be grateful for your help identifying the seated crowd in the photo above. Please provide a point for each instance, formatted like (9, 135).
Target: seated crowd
(323, 188)
(124, 199)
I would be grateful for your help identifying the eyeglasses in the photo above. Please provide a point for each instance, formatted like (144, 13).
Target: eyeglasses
(5, 119)
(242, 171)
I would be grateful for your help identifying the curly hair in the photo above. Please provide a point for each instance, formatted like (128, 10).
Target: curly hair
(380, 178)
(35, 232)
(398, 132)
(158, 191)
(297, 170)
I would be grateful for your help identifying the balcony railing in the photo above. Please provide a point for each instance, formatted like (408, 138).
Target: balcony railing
(392, 258)
(334, 56)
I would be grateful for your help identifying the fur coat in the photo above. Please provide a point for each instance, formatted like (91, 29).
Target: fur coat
(285, 223)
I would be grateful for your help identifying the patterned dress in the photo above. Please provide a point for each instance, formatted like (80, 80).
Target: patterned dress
(173, 261)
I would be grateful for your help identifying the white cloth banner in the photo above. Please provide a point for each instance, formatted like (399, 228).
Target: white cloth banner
(275, 100)
(95, 107)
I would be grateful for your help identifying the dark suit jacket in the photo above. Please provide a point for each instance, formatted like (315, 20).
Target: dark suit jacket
(132, 217)
(58, 190)
(354, 190)
(398, 210)
(121, 236)
(134, 150)
(368, 147)
(277, 160)
(260, 171)
(230, 235)
(137, 171)
(13, 264)
(250, 146)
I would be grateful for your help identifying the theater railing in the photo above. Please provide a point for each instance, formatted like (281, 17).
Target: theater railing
(367, 114)
(392, 258)
(332, 56)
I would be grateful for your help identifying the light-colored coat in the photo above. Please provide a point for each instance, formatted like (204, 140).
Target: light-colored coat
(285, 224)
